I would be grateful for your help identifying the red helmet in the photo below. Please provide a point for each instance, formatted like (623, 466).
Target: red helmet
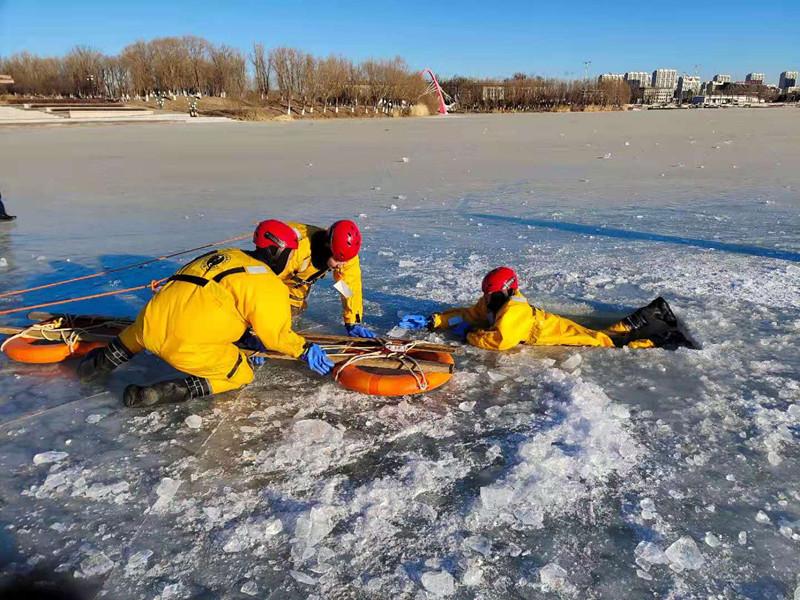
(345, 240)
(275, 233)
(501, 279)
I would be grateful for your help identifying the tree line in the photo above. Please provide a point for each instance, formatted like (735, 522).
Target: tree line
(190, 65)
(298, 81)
(523, 92)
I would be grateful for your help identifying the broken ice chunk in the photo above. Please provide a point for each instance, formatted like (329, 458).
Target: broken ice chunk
(302, 577)
(650, 553)
(479, 544)
(250, 588)
(51, 456)
(742, 538)
(97, 563)
(194, 421)
(438, 583)
(684, 554)
(138, 562)
(762, 517)
(572, 362)
(552, 576)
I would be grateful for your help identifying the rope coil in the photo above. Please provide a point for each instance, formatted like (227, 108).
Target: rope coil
(396, 351)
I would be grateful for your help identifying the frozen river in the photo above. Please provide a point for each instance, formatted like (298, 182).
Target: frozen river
(543, 472)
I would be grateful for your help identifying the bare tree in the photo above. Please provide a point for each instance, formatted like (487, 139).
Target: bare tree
(261, 70)
(83, 68)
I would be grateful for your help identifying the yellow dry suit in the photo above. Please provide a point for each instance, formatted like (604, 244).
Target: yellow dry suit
(518, 322)
(194, 320)
(301, 273)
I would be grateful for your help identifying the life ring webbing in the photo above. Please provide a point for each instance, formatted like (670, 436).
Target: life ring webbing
(379, 382)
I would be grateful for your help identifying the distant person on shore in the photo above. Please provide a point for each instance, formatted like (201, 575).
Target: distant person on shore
(320, 251)
(195, 321)
(4, 216)
(503, 318)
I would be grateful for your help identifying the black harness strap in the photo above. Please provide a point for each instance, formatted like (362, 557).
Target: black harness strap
(220, 276)
(201, 281)
(235, 368)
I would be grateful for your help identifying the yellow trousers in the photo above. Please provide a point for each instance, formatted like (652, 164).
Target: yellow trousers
(224, 365)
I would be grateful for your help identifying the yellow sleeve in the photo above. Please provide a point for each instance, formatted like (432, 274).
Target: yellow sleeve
(513, 326)
(266, 308)
(477, 316)
(352, 307)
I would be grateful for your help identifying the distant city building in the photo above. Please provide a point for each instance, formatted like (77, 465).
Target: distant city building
(754, 78)
(688, 86)
(719, 78)
(727, 99)
(6, 80)
(638, 79)
(611, 77)
(654, 95)
(665, 79)
(788, 79)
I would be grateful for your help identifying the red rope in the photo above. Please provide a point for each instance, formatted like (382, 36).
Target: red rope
(115, 270)
(153, 285)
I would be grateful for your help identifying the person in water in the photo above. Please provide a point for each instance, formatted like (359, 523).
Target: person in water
(195, 321)
(503, 318)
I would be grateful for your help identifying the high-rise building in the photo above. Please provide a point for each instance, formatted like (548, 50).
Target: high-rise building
(754, 78)
(665, 78)
(688, 86)
(720, 78)
(611, 77)
(788, 79)
(638, 79)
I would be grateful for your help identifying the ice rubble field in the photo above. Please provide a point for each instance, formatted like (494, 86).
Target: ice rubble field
(565, 473)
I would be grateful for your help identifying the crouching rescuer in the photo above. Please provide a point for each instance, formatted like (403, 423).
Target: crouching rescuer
(195, 321)
(503, 318)
(320, 251)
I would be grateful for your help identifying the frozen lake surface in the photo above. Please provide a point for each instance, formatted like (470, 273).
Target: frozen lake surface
(542, 472)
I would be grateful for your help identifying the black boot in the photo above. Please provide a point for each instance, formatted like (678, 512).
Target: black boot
(99, 363)
(657, 311)
(655, 322)
(166, 392)
(3, 215)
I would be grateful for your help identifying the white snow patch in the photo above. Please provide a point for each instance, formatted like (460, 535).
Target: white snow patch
(549, 479)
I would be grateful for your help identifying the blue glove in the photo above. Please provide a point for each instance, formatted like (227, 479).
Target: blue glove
(414, 322)
(358, 330)
(256, 361)
(462, 329)
(317, 360)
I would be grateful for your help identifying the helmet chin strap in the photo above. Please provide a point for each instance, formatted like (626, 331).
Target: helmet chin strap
(275, 258)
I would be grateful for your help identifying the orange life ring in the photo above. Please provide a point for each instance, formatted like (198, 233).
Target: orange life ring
(391, 382)
(39, 352)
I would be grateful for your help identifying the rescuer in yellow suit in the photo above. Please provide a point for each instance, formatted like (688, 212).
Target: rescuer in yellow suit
(195, 320)
(319, 251)
(503, 319)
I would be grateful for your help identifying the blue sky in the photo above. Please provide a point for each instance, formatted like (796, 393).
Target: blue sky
(475, 38)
